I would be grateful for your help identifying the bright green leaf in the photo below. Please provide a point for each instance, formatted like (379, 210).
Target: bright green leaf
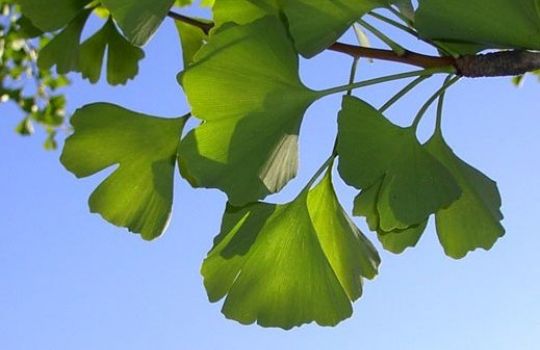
(244, 84)
(138, 19)
(192, 39)
(242, 11)
(473, 221)
(138, 194)
(286, 265)
(340, 239)
(492, 23)
(371, 149)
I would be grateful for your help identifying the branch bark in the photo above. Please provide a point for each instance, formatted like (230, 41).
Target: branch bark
(497, 64)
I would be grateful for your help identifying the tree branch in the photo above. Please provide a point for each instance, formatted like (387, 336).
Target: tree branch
(498, 64)
(408, 57)
(495, 64)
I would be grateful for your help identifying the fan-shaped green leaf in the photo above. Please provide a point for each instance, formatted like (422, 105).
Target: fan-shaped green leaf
(192, 39)
(138, 19)
(242, 11)
(122, 57)
(138, 194)
(51, 17)
(492, 23)
(371, 149)
(316, 24)
(63, 49)
(244, 84)
(341, 240)
(473, 221)
(397, 241)
(286, 265)
(365, 204)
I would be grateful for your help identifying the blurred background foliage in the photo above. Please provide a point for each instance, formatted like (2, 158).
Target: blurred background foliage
(36, 91)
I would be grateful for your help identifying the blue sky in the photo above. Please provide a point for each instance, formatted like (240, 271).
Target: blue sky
(69, 280)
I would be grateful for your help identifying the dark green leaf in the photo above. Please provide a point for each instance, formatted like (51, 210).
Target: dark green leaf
(122, 57)
(49, 16)
(491, 23)
(313, 24)
(473, 221)
(316, 24)
(365, 204)
(371, 149)
(63, 49)
(138, 19)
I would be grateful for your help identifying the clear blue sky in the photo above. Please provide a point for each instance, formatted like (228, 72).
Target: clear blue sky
(69, 280)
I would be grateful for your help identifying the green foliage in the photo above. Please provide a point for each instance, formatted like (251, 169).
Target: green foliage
(285, 265)
(69, 55)
(413, 183)
(138, 19)
(507, 24)
(138, 194)
(41, 103)
(222, 152)
(278, 265)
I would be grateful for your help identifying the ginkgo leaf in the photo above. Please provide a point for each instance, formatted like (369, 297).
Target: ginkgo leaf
(192, 39)
(138, 19)
(51, 17)
(371, 149)
(473, 221)
(491, 23)
(122, 57)
(138, 194)
(316, 24)
(340, 239)
(242, 11)
(286, 265)
(245, 86)
(365, 204)
(397, 241)
(63, 49)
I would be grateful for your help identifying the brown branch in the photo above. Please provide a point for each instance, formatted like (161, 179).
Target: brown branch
(503, 63)
(412, 58)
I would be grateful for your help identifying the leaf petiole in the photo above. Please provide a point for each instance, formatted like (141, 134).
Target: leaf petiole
(328, 163)
(403, 92)
(361, 84)
(447, 83)
(352, 76)
(440, 105)
(394, 23)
